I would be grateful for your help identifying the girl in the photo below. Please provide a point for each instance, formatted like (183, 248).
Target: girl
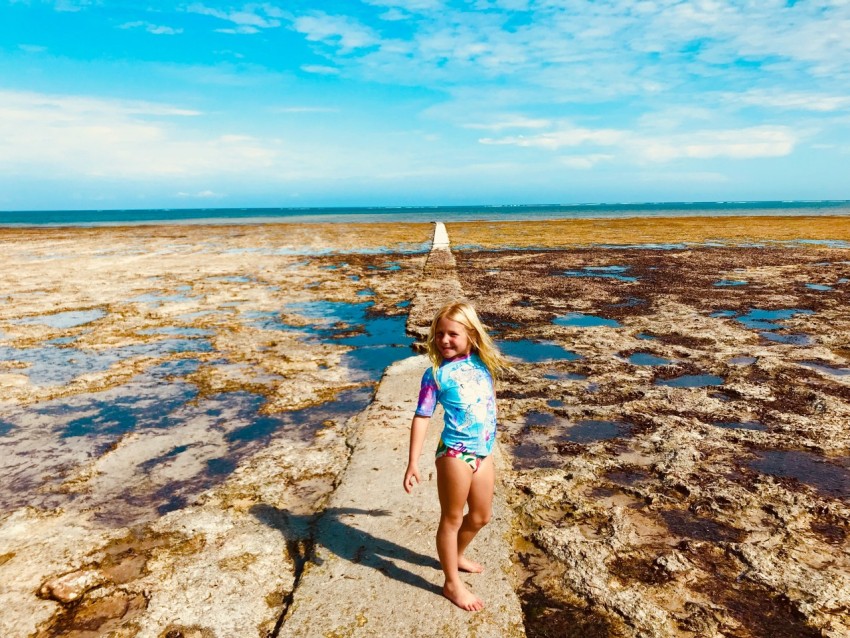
(464, 364)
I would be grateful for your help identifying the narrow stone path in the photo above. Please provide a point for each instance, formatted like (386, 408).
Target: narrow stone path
(374, 571)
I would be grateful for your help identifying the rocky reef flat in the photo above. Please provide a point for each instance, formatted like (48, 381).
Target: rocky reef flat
(178, 406)
(678, 419)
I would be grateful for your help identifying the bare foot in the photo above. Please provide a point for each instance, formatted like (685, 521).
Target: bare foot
(462, 597)
(466, 565)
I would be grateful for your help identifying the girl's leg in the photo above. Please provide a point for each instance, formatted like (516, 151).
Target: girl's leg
(454, 478)
(480, 501)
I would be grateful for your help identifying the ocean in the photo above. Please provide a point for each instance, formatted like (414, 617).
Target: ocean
(416, 213)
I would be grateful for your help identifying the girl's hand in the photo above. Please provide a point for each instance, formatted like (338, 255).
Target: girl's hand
(409, 476)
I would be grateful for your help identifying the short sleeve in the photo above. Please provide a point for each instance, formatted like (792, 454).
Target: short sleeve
(427, 394)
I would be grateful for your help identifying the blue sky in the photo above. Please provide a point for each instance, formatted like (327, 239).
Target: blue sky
(421, 102)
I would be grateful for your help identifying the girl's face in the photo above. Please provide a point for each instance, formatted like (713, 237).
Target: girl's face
(452, 339)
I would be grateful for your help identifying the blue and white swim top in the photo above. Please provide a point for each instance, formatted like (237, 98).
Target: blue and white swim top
(465, 391)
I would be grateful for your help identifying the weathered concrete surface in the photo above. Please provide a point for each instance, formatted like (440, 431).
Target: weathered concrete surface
(439, 285)
(375, 571)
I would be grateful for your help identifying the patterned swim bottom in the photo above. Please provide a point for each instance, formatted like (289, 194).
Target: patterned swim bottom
(472, 460)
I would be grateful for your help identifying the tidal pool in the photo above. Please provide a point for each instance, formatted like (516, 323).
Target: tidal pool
(581, 320)
(648, 359)
(607, 272)
(592, 430)
(691, 381)
(828, 476)
(64, 320)
(531, 351)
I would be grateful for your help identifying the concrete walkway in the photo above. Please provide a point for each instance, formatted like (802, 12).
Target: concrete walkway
(375, 570)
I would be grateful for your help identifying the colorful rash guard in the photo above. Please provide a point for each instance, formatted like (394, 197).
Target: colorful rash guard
(466, 393)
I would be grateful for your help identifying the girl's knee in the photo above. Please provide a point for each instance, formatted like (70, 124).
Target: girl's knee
(452, 520)
(478, 520)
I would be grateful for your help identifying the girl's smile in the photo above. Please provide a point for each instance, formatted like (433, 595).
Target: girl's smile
(452, 339)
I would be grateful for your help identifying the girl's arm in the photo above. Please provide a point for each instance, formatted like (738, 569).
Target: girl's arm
(417, 438)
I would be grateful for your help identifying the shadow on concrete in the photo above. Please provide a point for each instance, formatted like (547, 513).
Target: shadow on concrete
(329, 530)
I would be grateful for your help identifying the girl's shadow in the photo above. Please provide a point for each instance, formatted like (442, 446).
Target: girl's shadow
(329, 530)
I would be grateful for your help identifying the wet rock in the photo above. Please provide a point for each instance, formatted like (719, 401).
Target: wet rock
(71, 586)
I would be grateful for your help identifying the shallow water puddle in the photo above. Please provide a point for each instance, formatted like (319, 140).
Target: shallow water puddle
(819, 287)
(691, 381)
(593, 430)
(766, 321)
(829, 476)
(378, 340)
(530, 351)
(52, 365)
(730, 283)
(743, 361)
(64, 320)
(581, 320)
(648, 359)
(606, 272)
(825, 368)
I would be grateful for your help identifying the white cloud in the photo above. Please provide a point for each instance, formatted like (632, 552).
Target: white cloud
(73, 135)
(585, 161)
(206, 194)
(565, 137)
(251, 18)
(151, 28)
(410, 6)
(511, 121)
(343, 32)
(743, 143)
(320, 69)
(790, 100)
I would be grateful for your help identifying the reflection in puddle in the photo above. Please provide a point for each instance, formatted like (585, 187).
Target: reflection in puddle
(730, 282)
(51, 365)
(378, 340)
(766, 319)
(537, 351)
(825, 368)
(590, 431)
(819, 287)
(647, 359)
(742, 361)
(64, 320)
(791, 339)
(691, 381)
(608, 272)
(830, 477)
(580, 320)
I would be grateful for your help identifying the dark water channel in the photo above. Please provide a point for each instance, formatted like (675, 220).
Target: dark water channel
(828, 476)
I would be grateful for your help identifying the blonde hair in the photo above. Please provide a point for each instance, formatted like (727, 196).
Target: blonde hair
(464, 313)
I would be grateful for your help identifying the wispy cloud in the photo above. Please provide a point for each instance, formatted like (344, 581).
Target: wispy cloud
(251, 18)
(510, 122)
(745, 143)
(320, 69)
(155, 29)
(68, 135)
(345, 33)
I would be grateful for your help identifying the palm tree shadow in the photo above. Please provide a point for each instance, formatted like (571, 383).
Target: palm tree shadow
(328, 529)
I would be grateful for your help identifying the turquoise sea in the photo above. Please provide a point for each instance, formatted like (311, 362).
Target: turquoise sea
(417, 214)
